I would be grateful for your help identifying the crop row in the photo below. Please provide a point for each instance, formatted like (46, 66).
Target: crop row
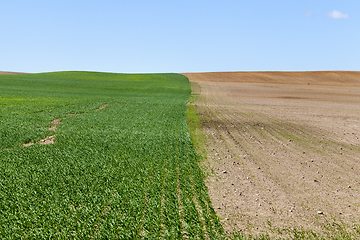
(126, 171)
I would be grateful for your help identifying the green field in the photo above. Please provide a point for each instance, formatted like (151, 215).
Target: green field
(126, 171)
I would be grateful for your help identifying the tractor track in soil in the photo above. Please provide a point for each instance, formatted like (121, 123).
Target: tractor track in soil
(284, 147)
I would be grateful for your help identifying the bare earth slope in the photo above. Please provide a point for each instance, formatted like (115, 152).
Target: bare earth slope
(10, 73)
(284, 147)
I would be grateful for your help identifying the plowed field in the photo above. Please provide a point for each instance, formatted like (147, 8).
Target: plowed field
(10, 73)
(283, 147)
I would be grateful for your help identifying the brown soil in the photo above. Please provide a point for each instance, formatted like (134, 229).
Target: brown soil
(47, 140)
(283, 146)
(55, 123)
(10, 73)
(28, 144)
(102, 107)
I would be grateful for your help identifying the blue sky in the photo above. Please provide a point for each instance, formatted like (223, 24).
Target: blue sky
(179, 35)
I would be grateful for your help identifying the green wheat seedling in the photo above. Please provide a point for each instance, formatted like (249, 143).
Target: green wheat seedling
(122, 164)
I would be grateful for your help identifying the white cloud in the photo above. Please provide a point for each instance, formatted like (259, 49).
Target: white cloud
(337, 15)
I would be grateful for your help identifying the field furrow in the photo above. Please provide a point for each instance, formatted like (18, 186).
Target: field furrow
(282, 154)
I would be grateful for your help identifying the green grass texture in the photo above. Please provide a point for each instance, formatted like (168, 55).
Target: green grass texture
(128, 171)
